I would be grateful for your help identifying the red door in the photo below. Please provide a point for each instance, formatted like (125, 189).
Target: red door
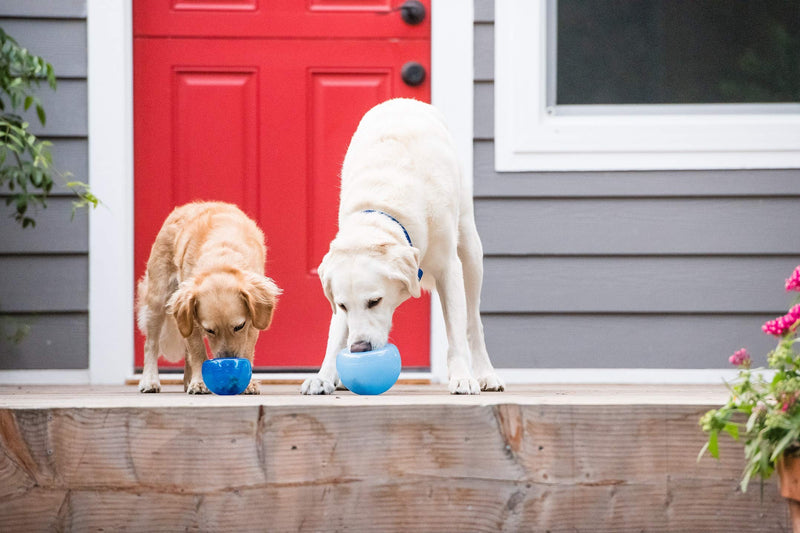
(254, 102)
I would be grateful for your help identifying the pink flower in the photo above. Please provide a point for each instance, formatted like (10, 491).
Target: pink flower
(781, 325)
(793, 283)
(787, 400)
(740, 358)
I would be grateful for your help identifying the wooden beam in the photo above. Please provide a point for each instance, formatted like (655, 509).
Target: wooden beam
(423, 460)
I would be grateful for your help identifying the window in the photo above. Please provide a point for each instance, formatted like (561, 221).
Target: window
(650, 84)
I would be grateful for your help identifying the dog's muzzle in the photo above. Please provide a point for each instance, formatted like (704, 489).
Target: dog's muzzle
(360, 346)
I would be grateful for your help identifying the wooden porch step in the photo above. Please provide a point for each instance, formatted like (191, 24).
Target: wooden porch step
(534, 458)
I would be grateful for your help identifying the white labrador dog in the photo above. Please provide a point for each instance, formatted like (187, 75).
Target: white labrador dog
(405, 223)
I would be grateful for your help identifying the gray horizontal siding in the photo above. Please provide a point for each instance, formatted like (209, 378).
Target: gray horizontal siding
(56, 231)
(483, 109)
(70, 161)
(44, 283)
(636, 284)
(623, 341)
(44, 8)
(484, 11)
(53, 341)
(66, 109)
(646, 269)
(484, 52)
(61, 42)
(633, 226)
(45, 269)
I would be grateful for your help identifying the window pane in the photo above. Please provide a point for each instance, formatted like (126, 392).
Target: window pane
(677, 51)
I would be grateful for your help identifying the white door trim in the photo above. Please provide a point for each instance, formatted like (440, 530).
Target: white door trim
(452, 34)
(110, 83)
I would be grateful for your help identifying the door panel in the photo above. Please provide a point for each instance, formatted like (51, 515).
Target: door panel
(216, 135)
(337, 101)
(276, 18)
(265, 123)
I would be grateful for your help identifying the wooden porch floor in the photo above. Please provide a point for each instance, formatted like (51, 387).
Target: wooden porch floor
(534, 458)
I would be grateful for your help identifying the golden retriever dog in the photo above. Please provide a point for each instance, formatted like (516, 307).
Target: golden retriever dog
(204, 280)
(406, 223)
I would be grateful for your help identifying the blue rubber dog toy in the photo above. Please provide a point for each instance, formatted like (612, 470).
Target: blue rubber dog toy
(369, 373)
(227, 376)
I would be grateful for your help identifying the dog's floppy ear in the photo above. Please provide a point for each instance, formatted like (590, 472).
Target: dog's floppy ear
(261, 296)
(322, 270)
(181, 305)
(405, 259)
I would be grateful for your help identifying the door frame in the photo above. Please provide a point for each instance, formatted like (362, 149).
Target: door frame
(110, 80)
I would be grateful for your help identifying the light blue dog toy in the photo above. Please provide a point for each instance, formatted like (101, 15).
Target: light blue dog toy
(371, 372)
(227, 376)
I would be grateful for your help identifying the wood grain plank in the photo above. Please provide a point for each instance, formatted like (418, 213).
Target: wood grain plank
(509, 466)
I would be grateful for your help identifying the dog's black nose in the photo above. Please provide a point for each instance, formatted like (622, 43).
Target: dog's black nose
(360, 346)
(226, 355)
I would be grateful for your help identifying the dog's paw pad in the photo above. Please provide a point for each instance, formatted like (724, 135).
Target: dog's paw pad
(197, 388)
(317, 385)
(464, 386)
(491, 382)
(149, 386)
(252, 388)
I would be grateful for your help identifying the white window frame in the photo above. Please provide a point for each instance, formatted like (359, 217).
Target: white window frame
(532, 136)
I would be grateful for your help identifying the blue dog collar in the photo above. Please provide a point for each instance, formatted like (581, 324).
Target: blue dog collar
(405, 232)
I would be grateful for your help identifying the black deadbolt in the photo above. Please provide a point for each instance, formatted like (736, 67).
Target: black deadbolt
(413, 73)
(413, 12)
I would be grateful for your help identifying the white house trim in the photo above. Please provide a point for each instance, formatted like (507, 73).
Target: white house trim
(110, 72)
(452, 33)
(532, 136)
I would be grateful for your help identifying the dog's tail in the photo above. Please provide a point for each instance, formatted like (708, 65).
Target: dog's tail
(170, 342)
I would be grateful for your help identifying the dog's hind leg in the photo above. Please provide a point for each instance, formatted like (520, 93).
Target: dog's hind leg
(470, 251)
(450, 284)
(150, 322)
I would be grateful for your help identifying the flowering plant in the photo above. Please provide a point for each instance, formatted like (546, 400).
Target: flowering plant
(771, 407)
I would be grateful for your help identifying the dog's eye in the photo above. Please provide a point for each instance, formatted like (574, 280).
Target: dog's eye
(373, 303)
(239, 327)
(210, 332)
(342, 307)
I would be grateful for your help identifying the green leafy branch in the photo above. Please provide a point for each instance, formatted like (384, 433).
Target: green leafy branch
(26, 164)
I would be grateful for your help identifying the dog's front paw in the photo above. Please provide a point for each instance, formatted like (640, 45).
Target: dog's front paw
(252, 388)
(464, 386)
(149, 385)
(197, 387)
(317, 385)
(491, 382)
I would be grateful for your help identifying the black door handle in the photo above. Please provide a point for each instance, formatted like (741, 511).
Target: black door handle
(412, 12)
(413, 73)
